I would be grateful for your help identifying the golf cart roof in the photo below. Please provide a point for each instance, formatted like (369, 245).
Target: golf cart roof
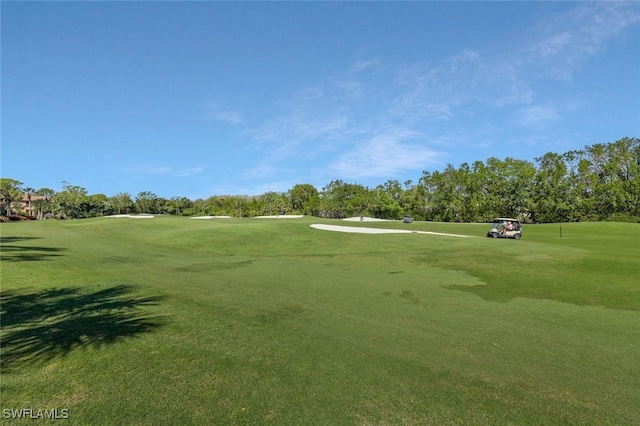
(501, 219)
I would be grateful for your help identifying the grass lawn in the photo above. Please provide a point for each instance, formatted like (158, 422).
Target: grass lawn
(253, 321)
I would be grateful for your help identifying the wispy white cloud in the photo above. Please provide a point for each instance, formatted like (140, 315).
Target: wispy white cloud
(147, 169)
(308, 123)
(364, 64)
(298, 135)
(385, 154)
(598, 21)
(553, 44)
(371, 119)
(562, 43)
(271, 186)
(535, 115)
(250, 187)
(230, 117)
(260, 171)
(216, 112)
(159, 169)
(188, 172)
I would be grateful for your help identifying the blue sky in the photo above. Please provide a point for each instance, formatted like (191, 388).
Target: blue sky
(211, 98)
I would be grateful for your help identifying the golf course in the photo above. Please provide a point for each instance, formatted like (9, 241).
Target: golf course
(173, 321)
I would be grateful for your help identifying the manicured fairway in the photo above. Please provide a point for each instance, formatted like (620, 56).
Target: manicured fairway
(252, 321)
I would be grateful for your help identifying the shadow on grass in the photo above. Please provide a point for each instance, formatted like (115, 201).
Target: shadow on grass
(619, 299)
(10, 252)
(41, 325)
(4, 240)
(581, 282)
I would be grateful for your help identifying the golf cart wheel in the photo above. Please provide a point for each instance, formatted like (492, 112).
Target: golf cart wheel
(494, 235)
(517, 236)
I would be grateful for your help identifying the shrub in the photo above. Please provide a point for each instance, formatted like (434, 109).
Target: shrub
(623, 217)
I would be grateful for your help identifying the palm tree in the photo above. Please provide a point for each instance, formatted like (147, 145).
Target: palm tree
(40, 205)
(28, 192)
(17, 205)
(43, 203)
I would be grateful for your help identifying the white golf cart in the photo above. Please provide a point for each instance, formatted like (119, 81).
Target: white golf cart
(505, 227)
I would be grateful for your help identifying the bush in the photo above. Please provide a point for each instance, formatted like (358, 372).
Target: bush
(623, 217)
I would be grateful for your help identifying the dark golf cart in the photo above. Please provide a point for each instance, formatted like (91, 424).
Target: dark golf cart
(505, 227)
(407, 219)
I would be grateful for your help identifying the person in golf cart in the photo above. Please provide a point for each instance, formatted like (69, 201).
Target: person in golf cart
(507, 227)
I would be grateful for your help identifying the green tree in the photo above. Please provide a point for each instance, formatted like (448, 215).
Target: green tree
(46, 192)
(384, 200)
(97, 205)
(238, 205)
(471, 187)
(304, 199)
(631, 173)
(178, 205)
(218, 206)
(339, 199)
(198, 207)
(444, 196)
(122, 203)
(147, 202)
(273, 203)
(69, 203)
(28, 193)
(510, 184)
(616, 165)
(413, 201)
(10, 191)
(43, 205)
(551, 188)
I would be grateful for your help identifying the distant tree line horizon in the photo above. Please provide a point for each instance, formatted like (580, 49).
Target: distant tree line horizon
(599, 182)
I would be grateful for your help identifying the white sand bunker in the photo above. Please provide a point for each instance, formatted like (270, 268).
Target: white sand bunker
(133, 216)
(366, 219)
(210, 217)
(280, 216)
(362, 230)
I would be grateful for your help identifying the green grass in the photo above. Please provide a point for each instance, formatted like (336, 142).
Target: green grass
(176, 321)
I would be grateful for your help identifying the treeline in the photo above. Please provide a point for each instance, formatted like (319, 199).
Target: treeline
(600, 182)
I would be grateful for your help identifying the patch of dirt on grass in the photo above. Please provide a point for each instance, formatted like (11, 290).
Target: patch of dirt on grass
(409, 295)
